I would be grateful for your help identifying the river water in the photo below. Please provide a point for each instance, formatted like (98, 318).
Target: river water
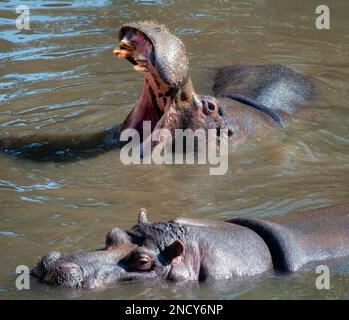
(60, 78)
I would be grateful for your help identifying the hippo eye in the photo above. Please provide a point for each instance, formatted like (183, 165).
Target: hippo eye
(144, 263)
(140, 262)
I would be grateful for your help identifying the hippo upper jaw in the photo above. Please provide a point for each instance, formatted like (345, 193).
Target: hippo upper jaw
(169, 54)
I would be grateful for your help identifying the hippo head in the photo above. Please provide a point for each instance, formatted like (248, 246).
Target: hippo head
(168, 99)
(146, 251)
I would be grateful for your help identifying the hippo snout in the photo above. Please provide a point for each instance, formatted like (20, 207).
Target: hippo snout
(87, 270)
(54, 269)
(68, 274)
(45, 264)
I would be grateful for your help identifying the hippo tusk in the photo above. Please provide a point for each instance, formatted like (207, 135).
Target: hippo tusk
(122, 53)
(141, 69)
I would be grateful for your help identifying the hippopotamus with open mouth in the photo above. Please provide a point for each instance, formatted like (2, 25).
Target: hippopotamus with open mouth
(203, 250)
(248, 99)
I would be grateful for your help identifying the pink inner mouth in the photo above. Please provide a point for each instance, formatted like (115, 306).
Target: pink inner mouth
(154, 100)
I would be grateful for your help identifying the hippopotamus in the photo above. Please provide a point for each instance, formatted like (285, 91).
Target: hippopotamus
(203, 250)
(247, 99)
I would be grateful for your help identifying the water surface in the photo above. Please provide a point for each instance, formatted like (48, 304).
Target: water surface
(61, 78)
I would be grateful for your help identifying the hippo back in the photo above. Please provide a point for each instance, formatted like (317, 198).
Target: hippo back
(274, 86)
(301, 237)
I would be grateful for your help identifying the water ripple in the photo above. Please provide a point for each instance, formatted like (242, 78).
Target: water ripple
(49, 185)
(11, 234)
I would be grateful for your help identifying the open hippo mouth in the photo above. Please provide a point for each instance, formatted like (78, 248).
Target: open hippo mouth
(161, 58)
(168, 99)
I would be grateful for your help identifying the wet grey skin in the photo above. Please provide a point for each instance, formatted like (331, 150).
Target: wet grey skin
(203, 250)
(247, 99)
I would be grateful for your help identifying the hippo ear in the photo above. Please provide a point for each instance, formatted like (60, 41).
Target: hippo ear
(174, 250)
(142, 217)
(116, 237)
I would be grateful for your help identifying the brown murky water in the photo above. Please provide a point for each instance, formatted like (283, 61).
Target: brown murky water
(60, 78)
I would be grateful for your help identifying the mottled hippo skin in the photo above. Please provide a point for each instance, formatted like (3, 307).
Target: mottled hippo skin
(203, 250)
(248, 99)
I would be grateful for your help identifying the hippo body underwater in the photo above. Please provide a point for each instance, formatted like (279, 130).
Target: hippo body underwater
(203, 250)
(248, 99)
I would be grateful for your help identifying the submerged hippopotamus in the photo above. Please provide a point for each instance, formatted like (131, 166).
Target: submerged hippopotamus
(248, 99)
(202, 250)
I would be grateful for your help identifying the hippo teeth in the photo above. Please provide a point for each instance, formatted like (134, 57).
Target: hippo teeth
(140, 68)
(122, 53)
